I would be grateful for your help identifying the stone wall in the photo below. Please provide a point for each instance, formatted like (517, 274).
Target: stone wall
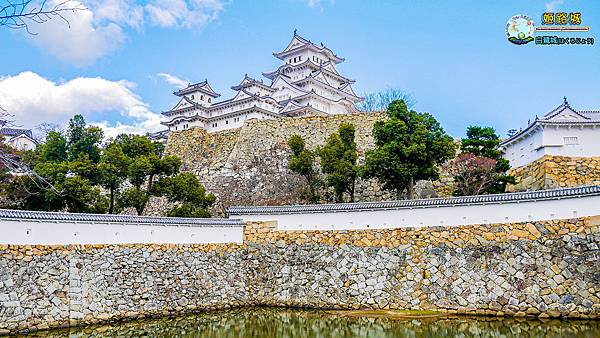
(249, 165)
(550, 172)
(545, 269)
(57, 286)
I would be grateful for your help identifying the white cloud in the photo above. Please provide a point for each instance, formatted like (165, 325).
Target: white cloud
(82, 41)
(174, 80)
(100, 28)
(313, 3)
(33, 99)
(183, 13)
(318, 4)
(121, 12)
(551, 6)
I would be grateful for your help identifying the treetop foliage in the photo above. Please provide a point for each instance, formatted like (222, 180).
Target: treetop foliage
(482, 143)
(302, 162)
(124, 173)
(338, 162)
(409, 147)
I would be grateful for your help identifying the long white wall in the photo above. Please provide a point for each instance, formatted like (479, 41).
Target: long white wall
(49, 233)
(435, 216)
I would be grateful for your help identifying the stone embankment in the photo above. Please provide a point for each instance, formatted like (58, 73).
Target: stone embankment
(249, 165)
(544, 269)
(551, 172)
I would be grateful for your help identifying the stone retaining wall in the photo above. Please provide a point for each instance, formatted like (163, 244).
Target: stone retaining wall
(545, 269)
(249, 165)
(550, 172)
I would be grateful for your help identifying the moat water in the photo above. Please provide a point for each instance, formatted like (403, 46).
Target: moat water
(266, 322)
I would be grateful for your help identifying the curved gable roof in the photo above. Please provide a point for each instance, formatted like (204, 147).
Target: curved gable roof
(203, 87)
(288, 83)
(561, 115)
(298, 43)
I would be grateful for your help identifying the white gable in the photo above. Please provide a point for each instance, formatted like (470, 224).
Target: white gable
(240, 96)
(567, 114)
(282, 86)
(291, 105)
(22, 142)
(329, 66)
(348, 89)
(182, 104)
(295, 43)
(319, 76)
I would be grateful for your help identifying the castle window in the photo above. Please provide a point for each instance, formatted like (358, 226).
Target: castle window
(209, 100)
(571, 140)
(201, 97)
(192, 96)
(226, 121)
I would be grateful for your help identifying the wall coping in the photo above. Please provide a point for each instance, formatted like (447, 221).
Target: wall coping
(45, 216)
(517, 197)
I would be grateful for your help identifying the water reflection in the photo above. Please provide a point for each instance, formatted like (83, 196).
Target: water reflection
(265, 322)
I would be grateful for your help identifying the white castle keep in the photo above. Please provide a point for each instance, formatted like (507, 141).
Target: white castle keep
(306, 84)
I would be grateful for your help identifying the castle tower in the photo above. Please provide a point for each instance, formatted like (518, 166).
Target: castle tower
(307, 83)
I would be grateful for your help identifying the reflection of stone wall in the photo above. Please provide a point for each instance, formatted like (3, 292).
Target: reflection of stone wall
(280, 322)
(249, 165)
(556, 171)
(546, 269)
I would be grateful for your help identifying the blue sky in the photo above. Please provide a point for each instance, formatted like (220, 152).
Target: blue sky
(453, 57)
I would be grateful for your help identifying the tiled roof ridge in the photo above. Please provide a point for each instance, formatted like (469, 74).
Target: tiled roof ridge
(15, 131)
(107, 218)
(422, 203)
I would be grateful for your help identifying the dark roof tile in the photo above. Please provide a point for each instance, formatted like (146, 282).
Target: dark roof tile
(100, 218)
(422, 203)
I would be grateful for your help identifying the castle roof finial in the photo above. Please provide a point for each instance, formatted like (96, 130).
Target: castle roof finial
(565, 101)
(295, 32)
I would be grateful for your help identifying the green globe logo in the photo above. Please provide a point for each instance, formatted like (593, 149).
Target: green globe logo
(520, 29)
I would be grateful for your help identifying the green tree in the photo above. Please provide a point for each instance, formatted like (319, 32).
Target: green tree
(131, 169)
(483, 141)
(82, 139)
(189, 195)
(81, 196)
(67, 174)
(338, 162)
(74, 190)
(113, 168)
(302, 162)
(55, 148)
(147, 166)
(409, 146)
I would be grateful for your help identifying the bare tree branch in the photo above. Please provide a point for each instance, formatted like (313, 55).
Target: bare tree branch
(19, 169)
(6, 118)
(11, 160)
(19, 14)
(379, 101)
(44, 128)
